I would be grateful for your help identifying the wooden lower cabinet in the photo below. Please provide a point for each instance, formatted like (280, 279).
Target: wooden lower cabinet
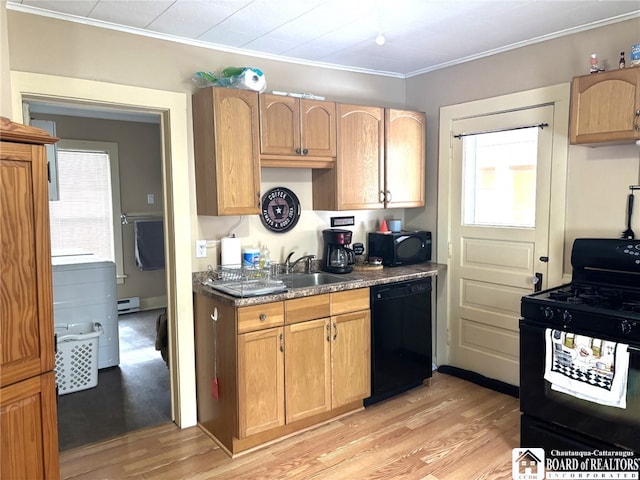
(351, 374)
(298, 365)
(30, 429)
(260, 381)
(308, 369)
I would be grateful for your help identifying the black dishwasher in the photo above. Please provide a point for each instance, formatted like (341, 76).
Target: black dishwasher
(400, 338)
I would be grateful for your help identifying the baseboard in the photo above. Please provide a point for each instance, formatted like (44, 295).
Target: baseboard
(152, 303)
(478, 379)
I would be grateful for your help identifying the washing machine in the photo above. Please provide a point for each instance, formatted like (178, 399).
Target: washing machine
(84, 290)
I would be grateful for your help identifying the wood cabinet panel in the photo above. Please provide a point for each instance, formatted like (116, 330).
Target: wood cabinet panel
(605, 107)
(29, 434)
(349, 301)
(226, 142)
(308, 369)
(262, 316)
(307, 308)
(360, 157)
(28, 423)
(260, 381)
(350, 357)
(297, 132)
(405, 144)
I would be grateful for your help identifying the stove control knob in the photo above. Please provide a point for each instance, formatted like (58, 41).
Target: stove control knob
(567, 317)
(548, 313)
(625, 327)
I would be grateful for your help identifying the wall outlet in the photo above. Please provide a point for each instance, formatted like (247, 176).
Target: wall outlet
(201, 248)
(151, 199)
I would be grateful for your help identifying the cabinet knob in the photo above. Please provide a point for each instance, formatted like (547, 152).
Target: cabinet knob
(305, 151)
(298, 151)
(263, 317)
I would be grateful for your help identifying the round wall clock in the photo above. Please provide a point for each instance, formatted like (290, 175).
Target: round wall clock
(280, 209)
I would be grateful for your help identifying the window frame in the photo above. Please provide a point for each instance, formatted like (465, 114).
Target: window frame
(111, 148)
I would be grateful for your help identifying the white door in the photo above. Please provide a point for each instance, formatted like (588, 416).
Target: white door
(499, 237)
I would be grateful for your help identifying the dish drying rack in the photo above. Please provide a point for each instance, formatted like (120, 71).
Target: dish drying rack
(241, 281)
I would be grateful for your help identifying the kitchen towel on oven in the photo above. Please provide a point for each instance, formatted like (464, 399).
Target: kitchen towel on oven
(149, 244)
(588, 368)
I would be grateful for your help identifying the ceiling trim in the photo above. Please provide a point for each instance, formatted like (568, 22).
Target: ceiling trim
(246, 52)
(533, 41)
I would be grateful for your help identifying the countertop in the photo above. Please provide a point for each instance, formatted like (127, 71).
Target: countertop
(353, 280)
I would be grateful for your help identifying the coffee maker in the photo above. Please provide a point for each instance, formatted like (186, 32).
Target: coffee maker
(337, 256)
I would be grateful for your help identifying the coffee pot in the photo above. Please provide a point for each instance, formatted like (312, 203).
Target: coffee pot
(337, 256)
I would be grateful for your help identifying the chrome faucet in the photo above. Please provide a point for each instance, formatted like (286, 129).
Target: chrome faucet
(288, 265)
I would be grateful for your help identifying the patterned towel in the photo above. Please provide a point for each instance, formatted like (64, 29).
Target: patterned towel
(586, 367)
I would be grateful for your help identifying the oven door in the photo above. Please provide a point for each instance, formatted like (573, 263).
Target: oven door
(610, 425)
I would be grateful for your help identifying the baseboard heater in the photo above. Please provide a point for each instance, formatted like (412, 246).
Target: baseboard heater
(128, 305)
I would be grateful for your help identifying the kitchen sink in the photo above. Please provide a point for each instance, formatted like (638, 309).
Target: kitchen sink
(304, 280)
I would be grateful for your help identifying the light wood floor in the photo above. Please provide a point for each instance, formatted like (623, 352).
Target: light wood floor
(450, 430)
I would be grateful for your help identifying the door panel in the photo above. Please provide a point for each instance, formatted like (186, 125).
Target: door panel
(499, 229)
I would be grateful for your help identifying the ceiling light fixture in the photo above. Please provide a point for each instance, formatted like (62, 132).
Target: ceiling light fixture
(380, 40)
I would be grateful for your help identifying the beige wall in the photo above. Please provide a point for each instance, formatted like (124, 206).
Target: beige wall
(78, 52)
(5, 80)
(544, 64)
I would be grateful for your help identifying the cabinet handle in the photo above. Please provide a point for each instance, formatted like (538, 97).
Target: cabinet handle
(305, 151)
(328, 332)
(387, 197)
(636, 125)
(335, 327)
(263, 317)
(281, 343)
(381, 196)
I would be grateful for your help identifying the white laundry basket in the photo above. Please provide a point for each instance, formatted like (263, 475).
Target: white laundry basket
(77, 356)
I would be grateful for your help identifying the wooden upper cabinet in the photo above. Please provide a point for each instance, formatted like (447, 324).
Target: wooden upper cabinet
(357, 182)
(297, 132)
(227, 160)
(404, 158)
(605, 107)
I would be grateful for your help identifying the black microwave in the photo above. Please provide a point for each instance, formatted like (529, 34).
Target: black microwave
(400, 248)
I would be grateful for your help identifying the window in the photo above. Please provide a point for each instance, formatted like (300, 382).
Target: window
(500, 178)
(86, 218)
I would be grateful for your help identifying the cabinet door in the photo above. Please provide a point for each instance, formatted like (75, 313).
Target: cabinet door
(351, 361)
(318, 128)
(226, 144)
(308, 369)
(29, 434)
(260, 381)
(26, 315)
(404, 158)
(279, 125)
(359, 169)
(605, 107)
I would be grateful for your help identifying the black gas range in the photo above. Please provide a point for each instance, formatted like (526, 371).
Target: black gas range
(601, 305)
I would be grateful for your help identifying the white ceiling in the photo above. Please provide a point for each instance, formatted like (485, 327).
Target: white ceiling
(421, 35)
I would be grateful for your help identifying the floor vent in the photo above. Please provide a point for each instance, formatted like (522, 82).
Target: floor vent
(128, 305)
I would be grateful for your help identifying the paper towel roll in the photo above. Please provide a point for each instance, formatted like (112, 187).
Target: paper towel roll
(230, 251)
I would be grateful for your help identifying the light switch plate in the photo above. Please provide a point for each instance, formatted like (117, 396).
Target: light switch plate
(201, 248)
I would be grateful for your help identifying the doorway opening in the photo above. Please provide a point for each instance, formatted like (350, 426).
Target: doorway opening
(134, 384)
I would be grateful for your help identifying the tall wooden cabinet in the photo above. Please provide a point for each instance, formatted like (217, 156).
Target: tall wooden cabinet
(297, 132)
(28, 416)
(227, 158)
(605, 107)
